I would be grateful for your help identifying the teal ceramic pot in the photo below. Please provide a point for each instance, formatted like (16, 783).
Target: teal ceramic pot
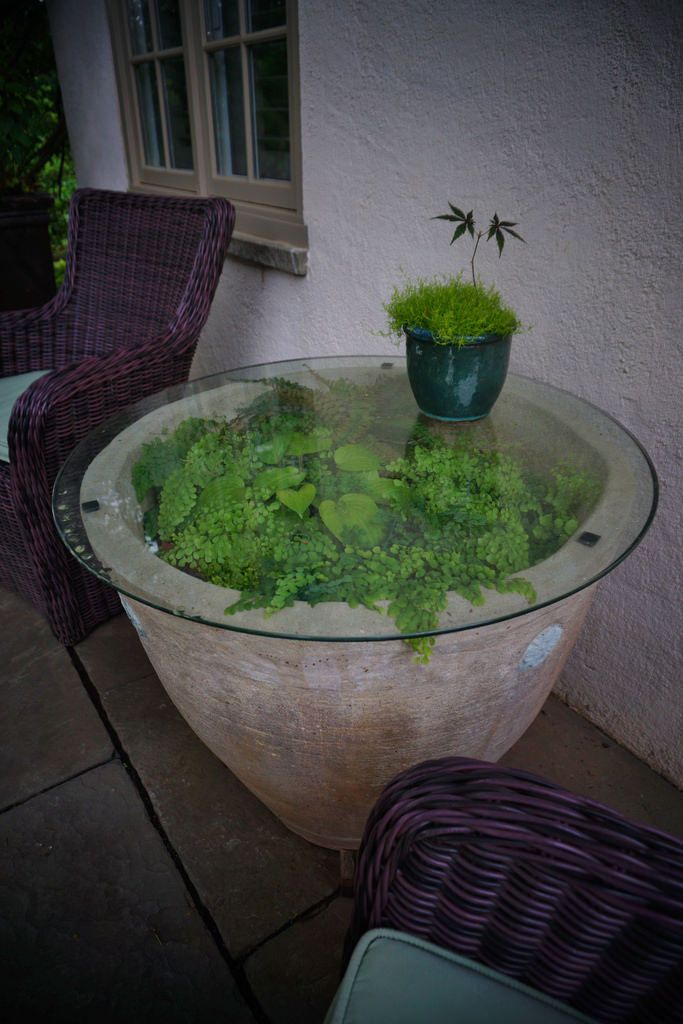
(456, 382)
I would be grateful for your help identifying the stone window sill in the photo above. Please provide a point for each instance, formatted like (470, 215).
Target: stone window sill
(265, 253)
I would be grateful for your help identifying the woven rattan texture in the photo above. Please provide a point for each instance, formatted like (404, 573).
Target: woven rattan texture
(553, 889)
(140, 277)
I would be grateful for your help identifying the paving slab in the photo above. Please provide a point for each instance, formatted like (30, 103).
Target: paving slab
(95, 921)
(565, 747)
(252, 873)
(49, 729)
(113, 652)
(296, 974)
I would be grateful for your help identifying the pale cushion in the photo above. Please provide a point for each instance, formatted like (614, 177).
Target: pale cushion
(394, 978)
(10, 389)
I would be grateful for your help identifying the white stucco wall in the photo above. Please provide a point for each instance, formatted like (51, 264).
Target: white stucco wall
(560, 114)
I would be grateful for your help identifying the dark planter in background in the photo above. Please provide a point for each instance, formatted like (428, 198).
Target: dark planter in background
(26, 273)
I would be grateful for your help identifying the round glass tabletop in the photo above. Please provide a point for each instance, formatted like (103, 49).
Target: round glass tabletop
(311, 499)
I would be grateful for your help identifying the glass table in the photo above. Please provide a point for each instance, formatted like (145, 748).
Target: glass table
(332, 586)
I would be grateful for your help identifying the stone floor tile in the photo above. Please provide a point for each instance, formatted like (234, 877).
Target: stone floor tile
(95, 922)
(49, 729)
(252, 873)
(567, 748)
(296, 974)
(113, 651)
(24, 631)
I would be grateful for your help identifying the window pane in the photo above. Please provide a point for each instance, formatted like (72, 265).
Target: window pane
(270, 109)
(266, 14)
(222, 18)
(177, 116)
(227, 100)
(148, 103)
(140, 29)
(168, 24)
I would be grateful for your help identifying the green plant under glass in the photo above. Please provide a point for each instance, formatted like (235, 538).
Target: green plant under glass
(303, 497)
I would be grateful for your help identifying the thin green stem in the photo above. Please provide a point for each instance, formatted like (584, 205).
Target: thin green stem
(479, 234)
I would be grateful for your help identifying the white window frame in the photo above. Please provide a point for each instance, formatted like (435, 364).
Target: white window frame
(267, 210)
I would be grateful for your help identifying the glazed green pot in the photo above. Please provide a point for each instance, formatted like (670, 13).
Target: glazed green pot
(456, 382)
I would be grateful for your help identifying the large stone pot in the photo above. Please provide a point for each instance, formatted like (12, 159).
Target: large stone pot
(316, 709)
(316, 730)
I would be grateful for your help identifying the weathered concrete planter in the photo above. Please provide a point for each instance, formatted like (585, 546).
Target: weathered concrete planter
(311, 709)
(316, 730)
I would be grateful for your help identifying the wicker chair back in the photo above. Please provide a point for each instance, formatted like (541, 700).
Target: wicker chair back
(141, 274)
(133, 259)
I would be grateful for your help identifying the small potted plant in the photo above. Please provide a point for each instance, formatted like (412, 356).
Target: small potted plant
(458, 334)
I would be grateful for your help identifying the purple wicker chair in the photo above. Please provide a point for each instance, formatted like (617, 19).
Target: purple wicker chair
(508, 869)
(141, 272)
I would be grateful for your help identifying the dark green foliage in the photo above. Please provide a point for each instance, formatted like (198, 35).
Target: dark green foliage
(34, 154)
(31, 120)
(361, 522)
(163, 455)
(59, 179)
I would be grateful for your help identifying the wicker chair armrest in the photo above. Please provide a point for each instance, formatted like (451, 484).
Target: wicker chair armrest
(59, 409)
(46, 422)
(549, 887)
(27, 336)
